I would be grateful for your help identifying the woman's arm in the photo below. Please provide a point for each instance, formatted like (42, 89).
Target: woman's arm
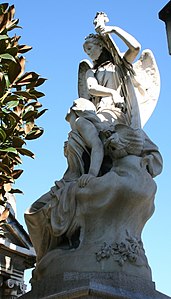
(133, 45)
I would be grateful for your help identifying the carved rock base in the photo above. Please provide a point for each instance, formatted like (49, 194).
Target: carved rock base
(93, 285)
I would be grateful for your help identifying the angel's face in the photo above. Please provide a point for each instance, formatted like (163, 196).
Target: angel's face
(93, 50)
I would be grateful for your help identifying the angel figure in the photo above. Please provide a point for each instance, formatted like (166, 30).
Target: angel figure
(112, 91)
(121, 91)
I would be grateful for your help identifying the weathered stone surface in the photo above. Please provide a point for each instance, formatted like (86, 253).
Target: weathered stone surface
(94, 285)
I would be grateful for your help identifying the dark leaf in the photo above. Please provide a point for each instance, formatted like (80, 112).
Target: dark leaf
(16, 173)
(25, 152)
(17, 142)
(16, 191)
(3, 135)
(29, 115)
(25, 94)
(3, 7)
(11, 11)
(40, 81)
(24, 48)
(14, 71)
(12, 51)
(2, 84)
(5, 168)
(5, 179)
(41, 113)
(27, 78)
(36, 93)
(34, 134)
(15, 158)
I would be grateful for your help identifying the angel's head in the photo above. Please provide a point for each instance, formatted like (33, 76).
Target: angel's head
(93, 46)
(96, 49)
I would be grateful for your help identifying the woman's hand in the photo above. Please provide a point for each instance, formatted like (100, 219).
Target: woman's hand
(84, 180)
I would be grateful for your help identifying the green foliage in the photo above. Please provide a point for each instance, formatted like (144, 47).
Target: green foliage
(19, 104)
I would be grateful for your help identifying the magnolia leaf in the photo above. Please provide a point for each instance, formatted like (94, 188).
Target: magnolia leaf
(16, 191)
(4, 36)
(5, 178)
(25, 152)
(12, 51)
(3, 7)
(5, 168)
(3, 21)
(25, 94)
(27, 78)
(15, 158)
(17, 142)
(12, 24)
(7, 56)
(11, 11)
(24, 48)
(14, 71)
(9, 150)
(10, 120)
(36, 93)
(14, 40)
(29, 126)
(16, 173)
(41, 113)
(34, 134)
(12, 104)
(29, 115)
(40, 81)
(3, 135)
(2, 84)
(10, 98)
(18, 111)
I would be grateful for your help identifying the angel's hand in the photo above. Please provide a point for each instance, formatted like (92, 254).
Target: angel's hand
(84, 180)
(102, 29)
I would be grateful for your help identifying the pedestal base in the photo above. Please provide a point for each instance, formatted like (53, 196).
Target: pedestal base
(93, 285)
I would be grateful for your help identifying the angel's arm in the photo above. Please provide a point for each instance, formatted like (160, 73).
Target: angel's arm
(96, 89)
(133, 45)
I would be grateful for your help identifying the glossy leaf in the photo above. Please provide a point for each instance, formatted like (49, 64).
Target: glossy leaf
(7, 56)
(24, 48)
(34, 134)
(2, 135)
(16, 173)
(25, 152)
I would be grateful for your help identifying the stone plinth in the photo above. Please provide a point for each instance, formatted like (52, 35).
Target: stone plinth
(93, 285)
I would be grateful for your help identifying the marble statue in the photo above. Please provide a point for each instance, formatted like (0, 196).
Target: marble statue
(92, 219)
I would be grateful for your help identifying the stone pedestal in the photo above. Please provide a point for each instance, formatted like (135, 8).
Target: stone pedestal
(93, 285)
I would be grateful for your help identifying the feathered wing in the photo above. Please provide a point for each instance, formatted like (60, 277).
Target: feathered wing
(84, 66)
(147, 84)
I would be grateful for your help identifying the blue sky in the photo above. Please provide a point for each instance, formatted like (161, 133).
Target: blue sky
(56, 31)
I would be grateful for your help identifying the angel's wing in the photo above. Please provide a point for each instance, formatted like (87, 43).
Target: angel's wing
(84, 66)
(147, 84)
